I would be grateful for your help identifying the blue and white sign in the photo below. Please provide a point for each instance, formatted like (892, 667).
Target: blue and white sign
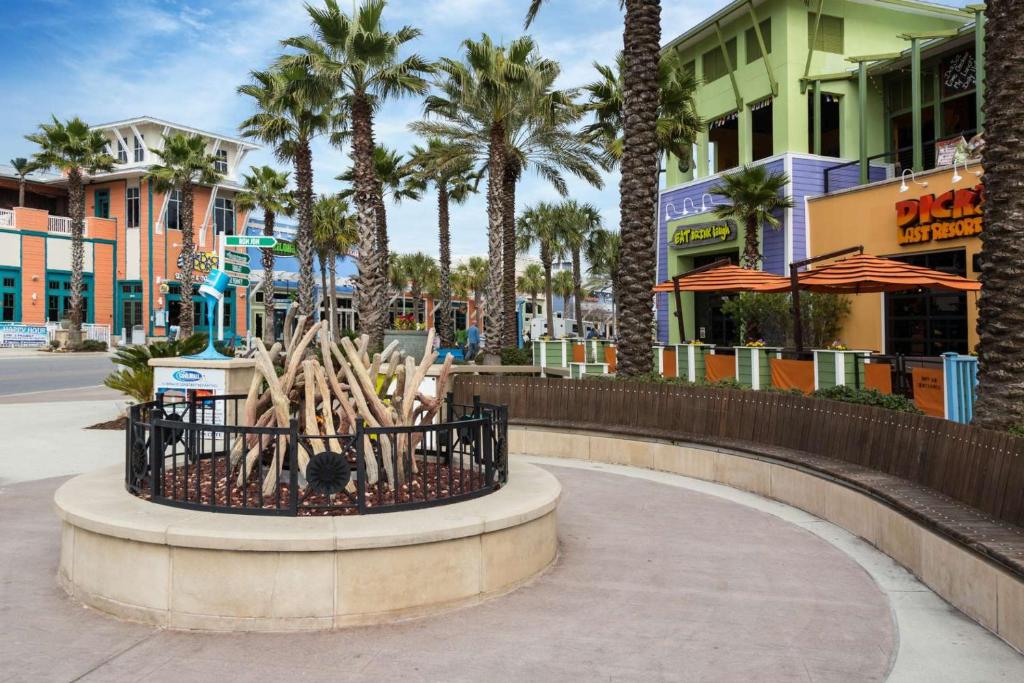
(20, 335)
(191, 383)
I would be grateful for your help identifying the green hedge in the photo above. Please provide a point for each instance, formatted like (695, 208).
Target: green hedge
(868, 397)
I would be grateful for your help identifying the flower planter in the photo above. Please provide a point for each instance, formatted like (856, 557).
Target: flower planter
(838, 368)
(665, 360)
(410, 341)
(552, 353)
(690, 363)
(579, 370)
(752, 365)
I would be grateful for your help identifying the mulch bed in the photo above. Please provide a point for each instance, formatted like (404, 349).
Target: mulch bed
(120, 423)
(433, 481)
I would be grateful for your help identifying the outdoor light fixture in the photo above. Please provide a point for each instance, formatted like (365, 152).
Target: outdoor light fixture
(685, 212)
(956, 176)
(704, 207)
(913, 178)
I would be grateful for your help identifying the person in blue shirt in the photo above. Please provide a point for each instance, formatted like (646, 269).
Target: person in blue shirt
(472, 340)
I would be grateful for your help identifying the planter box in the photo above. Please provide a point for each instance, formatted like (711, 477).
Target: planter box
(594, 349)
(752, 366)
(839, 368)
(554, 353)
(579, 370)
(410, 341)
(665, 360)
(690, 363)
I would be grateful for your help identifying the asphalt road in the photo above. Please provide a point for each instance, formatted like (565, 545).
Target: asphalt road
(48, 372)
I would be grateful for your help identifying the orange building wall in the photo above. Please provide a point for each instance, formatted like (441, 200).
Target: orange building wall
(103, 282)
(867, 216)
(33, 279)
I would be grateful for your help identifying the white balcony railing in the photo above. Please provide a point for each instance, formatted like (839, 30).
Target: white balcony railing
(60, 225)
(6, 218)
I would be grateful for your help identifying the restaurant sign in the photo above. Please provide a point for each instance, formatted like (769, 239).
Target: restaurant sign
(946, 216)
(686, 236)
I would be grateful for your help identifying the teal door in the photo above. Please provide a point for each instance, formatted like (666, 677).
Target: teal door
(10, 295)
(101, 204)
(130, 313)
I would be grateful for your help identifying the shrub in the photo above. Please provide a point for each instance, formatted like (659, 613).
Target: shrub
(869, 397)
(516, 356)
(54, 344)
(89, 345)
(1018, 430)
(135, 377)
(771, 316)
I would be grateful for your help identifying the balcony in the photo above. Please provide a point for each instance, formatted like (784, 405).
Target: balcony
(6, 218)
(60, 225)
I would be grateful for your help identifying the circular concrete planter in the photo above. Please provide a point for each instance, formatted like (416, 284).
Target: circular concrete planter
(410, 341)
(198, 570)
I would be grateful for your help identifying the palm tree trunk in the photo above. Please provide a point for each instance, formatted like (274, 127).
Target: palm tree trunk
(508, 256)
(188, 250)
(1000, 403)
(304, 235)
(21, 191)
(446, 331)
(335, 332)
(638, 189)
(577, 288)
(269, 326)
(493, 316)
(76, 201)
(751, 245)
(383, 249)
(545, 259)
(372, 269)
(323, 285)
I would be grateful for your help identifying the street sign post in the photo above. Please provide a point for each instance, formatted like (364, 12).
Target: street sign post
(235, 268)
(250, 241)
(236, 256)
(236, 281)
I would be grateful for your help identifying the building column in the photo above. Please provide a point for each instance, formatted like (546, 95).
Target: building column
(817, 118)
(862, 102)
(701, 171)
(979, 63)
(915, 111)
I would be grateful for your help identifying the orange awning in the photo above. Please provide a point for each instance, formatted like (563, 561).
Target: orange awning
(863, 274)
(725, 278)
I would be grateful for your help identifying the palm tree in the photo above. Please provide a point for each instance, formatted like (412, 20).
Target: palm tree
(563, 285)
(421, 272)
(755, 196)
(454, 180)
(578, 222)
(267, 189)
(72, 148)
(186, 163)
(361, 59)
(638, 187)
(473, 275)
(532, 282)
(602, 253)
(292, 108)
(540, 226)
(333, 235)
(1000, 403)
(398, 281)
(22, 167)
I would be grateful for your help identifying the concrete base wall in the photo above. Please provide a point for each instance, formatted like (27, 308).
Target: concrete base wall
(223, 572)
(983, 591)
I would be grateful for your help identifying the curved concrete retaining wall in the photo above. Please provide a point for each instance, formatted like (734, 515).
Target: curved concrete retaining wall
(985, 592)
(198, 570)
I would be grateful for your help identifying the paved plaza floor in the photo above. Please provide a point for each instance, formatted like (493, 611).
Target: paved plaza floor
(659, 578)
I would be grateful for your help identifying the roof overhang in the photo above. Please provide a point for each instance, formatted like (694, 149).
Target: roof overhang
(245, 144)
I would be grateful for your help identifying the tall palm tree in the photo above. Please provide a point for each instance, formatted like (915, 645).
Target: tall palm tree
(22, 167)
(361, 59)
(563, 285)
(454, 179)
(540, 226)
(186, 163)
(398, 281)
(755, 195)
(602, 253)
(72, 148)
(334, 233)
(473, 275)
(422, 274)
(578, 223)
(638, 187)
(267, 189)
(293, 107)
(1000, 402)
(532, 282)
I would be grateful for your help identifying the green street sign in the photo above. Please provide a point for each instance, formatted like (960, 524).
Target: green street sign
(236, 281)
(236, 268)
(284, 248)
(250, 241)
(236, 256)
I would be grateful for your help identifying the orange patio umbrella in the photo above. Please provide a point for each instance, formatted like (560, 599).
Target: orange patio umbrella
(720, 276)
(865, 274)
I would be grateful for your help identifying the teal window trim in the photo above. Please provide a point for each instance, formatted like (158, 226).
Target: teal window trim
(62, 276)
(120, 296)
(15, 274)
(199, 324)
(101, 198)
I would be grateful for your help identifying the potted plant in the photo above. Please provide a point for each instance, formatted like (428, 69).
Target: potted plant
(411, 336)
(838, 365)
(753, 366)
(690, 364)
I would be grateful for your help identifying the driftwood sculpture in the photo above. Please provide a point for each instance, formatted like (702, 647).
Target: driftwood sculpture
(326, 387)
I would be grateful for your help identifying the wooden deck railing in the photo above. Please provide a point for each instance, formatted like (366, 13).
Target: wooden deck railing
(980, 468)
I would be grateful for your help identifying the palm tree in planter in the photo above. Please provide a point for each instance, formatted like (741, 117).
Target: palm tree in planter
(452, 175)
(361, 59)
(602, 253)
(540, 226)
(267, 189)
(473, 275)
(578, 223)
(186, 163)
(293, 107)
(564, 286)
(422, 273)
(755, 196)
(22, 167)
(532, 282)
(75, 150)
(334, 234)
(1000, 402)
(638, 187)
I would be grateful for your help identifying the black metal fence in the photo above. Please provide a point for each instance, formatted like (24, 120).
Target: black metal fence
(187, 453)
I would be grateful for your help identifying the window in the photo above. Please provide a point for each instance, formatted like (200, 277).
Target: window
(122, 153)
(131, 305)
(761, 137)
(690, 69)
(753, 48)
(829, 124)
(220, 164)
(132, 205)
(714, 62)
(58, 297)
(830, 34)
(101, 204)
(928, 323)
(173, 221)
(139, 151)
(224, 216)
(724, 142)
(10, 296)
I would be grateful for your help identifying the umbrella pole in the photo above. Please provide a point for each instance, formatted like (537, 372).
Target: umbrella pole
(680, 322)
(798, 323)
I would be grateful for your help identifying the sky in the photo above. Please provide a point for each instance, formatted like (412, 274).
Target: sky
(104, 61)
